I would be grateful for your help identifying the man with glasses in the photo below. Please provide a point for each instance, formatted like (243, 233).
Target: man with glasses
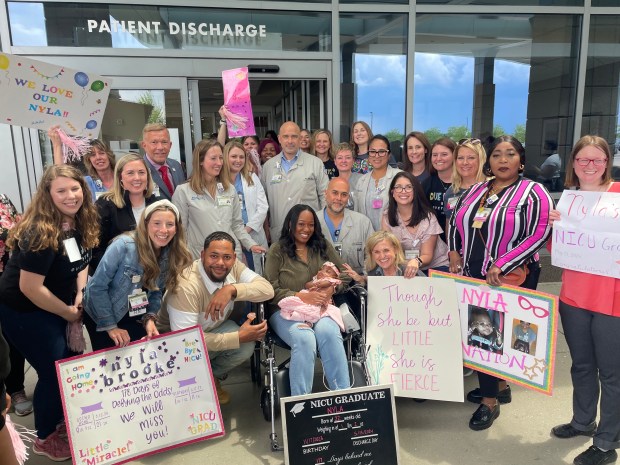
(292, 177)
(167, 173)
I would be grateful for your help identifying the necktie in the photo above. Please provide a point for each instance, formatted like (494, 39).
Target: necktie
(166, 178)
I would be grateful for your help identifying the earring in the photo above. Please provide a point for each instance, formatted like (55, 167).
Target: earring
(521, 167)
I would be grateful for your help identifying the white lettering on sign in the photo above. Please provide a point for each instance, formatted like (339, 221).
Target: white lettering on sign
(191, 29)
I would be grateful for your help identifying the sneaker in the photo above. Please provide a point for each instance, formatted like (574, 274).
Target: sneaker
(467, 372)
(484, 417)
(567, 431)
(504, 396)
(21, 405)
(61, 429)
(54, 448)
(595, 456)
(222, 395)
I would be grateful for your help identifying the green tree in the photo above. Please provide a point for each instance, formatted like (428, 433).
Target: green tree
(519, 132)
(158, 113)
(433, 134)
(457, 133)
(498, 130)
(394, 135)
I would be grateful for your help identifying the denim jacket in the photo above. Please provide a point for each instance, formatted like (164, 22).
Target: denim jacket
(108, 290)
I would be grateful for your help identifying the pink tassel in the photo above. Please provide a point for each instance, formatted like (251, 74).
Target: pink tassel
(17, 438)
(236, 120)
(255, 160)
(73, 147)
(75, 336)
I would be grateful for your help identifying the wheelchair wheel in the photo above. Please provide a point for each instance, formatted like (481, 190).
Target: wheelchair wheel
(265, 402)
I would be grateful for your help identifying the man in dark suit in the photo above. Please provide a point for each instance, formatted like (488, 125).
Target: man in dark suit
(167, 173)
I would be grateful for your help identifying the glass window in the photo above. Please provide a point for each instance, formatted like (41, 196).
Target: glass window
(601, 106)
(153, 27)
(509, 2)
(373, 72)
(487, 75)
(604, 2)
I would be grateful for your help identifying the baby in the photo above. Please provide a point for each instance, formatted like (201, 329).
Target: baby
(293, 308)
(482, 333)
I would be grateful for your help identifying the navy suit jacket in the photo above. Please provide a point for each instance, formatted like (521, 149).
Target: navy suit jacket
(175, 172)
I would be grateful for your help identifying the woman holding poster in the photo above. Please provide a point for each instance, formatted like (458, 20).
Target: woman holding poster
(497, 227)
(590, 312)
(41, 290)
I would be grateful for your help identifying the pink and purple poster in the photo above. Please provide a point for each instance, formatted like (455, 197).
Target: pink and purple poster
(237, 103)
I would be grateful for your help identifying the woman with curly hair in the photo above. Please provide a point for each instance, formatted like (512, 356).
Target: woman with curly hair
(41, 289)
(118, 309)
(291, 263)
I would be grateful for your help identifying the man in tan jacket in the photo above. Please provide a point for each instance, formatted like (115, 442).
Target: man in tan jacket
(205, 296)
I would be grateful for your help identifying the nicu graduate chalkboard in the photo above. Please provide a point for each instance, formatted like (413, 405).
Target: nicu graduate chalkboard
(348, 427)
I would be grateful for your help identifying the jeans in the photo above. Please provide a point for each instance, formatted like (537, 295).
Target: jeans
(225, 360)
(41, 337)
(595, 349)
(304, 341)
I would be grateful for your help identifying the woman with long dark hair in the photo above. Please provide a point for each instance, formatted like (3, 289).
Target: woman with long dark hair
(418, 155)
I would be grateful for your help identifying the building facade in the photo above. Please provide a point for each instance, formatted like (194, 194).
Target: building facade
(547, 71)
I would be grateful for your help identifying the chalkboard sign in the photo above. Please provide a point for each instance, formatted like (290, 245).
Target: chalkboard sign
(352, 426)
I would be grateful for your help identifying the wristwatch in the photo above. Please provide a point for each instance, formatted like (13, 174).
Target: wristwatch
(419, 261)
(222, 122)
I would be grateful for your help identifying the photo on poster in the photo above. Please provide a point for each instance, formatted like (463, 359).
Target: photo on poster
(485, 329)
(524, 336)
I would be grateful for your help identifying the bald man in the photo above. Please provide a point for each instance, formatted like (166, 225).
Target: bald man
(347, 230)
(292, 177)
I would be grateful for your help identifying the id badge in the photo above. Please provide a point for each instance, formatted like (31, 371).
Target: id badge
(276, 179)
(411, 254)
(138, 303)
(220, 187)
(492, 199)
(452, 201)
(377, 203)
(240, 195)
(224, 201)
(72, 250)
(481, 216)
(156, 190)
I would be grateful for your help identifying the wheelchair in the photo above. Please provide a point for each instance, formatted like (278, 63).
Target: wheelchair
(276, 376)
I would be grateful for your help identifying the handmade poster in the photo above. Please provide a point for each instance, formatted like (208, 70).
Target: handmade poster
(507, 331)
(38, 95)
(237, 104)
(121, 404)
(587, 238)
(414, 336)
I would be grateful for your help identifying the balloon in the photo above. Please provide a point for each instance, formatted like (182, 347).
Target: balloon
(81, 79)
(4, 62)
(92, 124)
(97, 86)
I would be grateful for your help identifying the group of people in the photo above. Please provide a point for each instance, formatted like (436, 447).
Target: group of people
(134, 250)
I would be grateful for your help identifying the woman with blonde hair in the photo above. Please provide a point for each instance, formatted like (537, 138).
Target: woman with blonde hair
(322, 143)
(41, 289)
(384, 257)
(208, 202)
(121, 207)
(124, 295)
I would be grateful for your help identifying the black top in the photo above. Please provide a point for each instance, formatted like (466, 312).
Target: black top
(435, 188)
(60, 274)
(114, 221)
(330, 169)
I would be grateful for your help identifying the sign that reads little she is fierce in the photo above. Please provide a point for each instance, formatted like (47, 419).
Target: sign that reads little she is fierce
(507, 331)
(121, 404)
(587, 237)
(414, 337)
(37, 95)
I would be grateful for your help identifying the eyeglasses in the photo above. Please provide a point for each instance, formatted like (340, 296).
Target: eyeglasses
(595, 162)
(408, 188)
(378, 153)
(469, 141)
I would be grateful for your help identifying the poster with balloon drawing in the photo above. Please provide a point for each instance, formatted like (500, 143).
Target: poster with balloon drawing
(38, 95)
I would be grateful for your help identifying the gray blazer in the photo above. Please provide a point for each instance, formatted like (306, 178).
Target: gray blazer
(176, 174)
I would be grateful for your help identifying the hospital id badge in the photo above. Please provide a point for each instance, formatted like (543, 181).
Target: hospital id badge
(452, 201)
(224, 201)
(377, 203)
(72, 249)
(138, 303)
(411, 254)
(481, 216)
(156, 190)
(276, 179)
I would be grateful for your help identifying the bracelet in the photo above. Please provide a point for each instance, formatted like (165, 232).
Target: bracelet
(419, 261)
(222, 122)
(149, 317)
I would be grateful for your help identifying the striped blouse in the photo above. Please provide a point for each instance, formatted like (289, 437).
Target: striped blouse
(516, 229)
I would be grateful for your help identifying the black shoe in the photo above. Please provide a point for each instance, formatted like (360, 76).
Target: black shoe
(595, 456)
(504, 396)
(483, 417)
(569, 431)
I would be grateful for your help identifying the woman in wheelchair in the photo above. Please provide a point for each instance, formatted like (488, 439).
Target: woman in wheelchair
(291, 262)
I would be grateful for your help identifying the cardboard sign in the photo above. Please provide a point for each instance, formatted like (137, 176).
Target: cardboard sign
(414, 336)
(38, 95)
(587, 237)
(239, 116)
(351, 426)
(121, 404)
(507, 331)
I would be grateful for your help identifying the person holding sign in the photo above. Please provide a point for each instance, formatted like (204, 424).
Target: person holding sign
(41, 290)
(496, 227)
(291, 263)
(124, 295)
(590, 313)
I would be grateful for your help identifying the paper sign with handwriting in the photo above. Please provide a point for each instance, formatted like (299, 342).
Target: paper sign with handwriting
(38, 95)
(587, 238)
(415, 337)
(121, 404)
(508, 331)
